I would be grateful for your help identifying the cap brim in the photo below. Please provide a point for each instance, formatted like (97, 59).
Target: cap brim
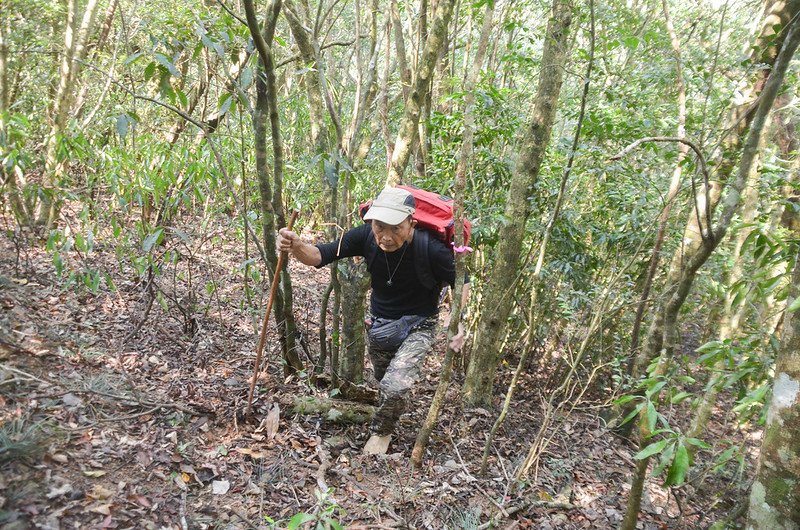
(389, 216)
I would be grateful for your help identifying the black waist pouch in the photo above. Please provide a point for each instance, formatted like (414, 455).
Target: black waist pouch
(388, 334)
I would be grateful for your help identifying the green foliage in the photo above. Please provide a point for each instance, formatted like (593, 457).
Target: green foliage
(324, 517)
(23, 440)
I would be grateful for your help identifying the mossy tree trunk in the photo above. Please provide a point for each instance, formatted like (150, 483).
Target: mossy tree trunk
(456, 308)
(266, 111)
(347, 278)
(775, 495)
(76, 38)
(408, 133)
(498, 298)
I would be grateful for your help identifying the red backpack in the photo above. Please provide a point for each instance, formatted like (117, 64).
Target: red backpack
(434, 213)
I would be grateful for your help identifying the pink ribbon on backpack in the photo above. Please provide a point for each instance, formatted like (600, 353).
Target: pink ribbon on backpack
(462, 249)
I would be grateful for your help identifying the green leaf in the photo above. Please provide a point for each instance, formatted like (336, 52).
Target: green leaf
(697, 443)
(680, 396)
(212, 45)
(714, 345)
(151, 240)
(652, 416)
(331, 173)
(166, 63)
(655, 389)
(664, 460)
(122, 125)
(680, 465)
(652, 449)
(131, 58)
(624, 399)
(631, 42)
(632, 414)
(225, 103)
(794, 306)
(298, 520)
(149, 70)
(246, 79)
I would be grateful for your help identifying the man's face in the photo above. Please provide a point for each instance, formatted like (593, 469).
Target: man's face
(391, 237)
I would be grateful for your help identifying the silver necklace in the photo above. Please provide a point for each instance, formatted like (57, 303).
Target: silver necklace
(392, 273)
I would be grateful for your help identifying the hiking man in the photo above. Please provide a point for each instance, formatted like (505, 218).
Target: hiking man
(404, 304)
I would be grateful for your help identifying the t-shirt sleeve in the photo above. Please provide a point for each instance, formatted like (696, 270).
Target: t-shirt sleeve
(352, 243)
(443, 264)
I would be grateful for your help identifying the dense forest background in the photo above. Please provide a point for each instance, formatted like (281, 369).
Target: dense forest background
(631, 172)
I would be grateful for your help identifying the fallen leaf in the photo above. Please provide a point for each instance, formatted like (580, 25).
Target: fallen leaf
(178, 480)
(71, 400)
(271, 422)
(220, 487)
(100, 493)
(60, 458)
(103, 509)
(94, 473)
(141, 500)
(57, 492)
(249, 452)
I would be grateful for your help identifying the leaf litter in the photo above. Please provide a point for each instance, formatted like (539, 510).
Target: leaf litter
(141, 430)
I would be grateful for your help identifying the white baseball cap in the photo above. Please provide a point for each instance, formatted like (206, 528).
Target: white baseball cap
(392, 206)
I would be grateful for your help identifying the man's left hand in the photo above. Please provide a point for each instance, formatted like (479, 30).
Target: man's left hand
(457, 342)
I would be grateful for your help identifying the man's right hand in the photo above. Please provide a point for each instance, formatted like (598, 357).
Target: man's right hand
(286, 240)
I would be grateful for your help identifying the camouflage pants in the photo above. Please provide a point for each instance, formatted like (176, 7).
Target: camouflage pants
(397, 371)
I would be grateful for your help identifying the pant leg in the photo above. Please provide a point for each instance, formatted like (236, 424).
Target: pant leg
(400, 376)
(380, 361)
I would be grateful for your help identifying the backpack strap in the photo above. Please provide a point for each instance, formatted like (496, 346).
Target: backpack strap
(370, 250)
(422, 261)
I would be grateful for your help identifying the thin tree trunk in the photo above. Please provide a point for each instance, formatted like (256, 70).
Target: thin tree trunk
(458, 193)
(271, 201)
(775, 496)
(536, 281)
(674, 185)
(399, 43)
(407, 133)
(532, 146)
(75, 42)
(8, 179)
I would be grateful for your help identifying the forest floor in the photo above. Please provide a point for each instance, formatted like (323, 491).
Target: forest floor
(109, 421)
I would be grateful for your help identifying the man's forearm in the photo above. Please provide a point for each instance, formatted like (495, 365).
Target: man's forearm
(306, 253)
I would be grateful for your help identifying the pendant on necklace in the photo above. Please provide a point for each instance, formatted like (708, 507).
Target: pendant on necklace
(389, 283)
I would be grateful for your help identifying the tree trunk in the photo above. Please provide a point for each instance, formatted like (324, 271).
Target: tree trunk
(74, 53)
(407, 133)
(498, 297)
(458, 215)
(775, 495)
(266, 109)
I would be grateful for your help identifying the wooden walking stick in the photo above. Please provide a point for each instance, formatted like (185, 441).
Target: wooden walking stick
(263, 337)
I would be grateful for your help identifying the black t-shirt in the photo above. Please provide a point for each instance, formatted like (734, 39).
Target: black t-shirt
(406, 295)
